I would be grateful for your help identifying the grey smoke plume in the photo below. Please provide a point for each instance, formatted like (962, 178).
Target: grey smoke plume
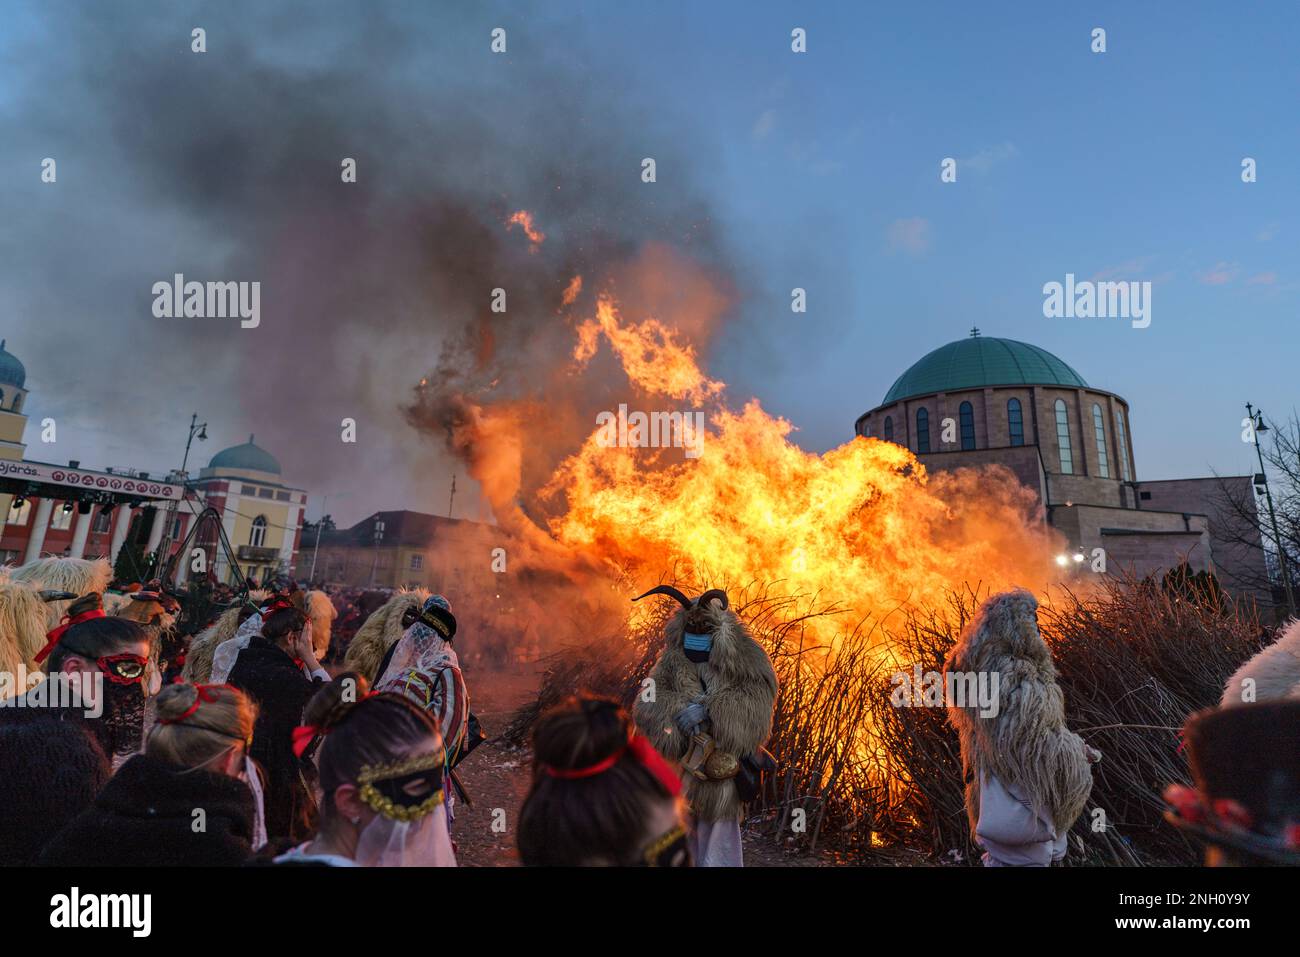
(226, 166)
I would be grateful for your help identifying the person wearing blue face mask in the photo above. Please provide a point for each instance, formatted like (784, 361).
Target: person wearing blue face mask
(712, 692)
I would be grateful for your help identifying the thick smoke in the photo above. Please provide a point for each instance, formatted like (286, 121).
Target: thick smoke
(226, 166)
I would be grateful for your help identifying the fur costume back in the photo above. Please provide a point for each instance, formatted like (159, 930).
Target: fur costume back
(198, 660)
(381, 631)
(740, 697)
(22, 630)
(1275, 670)
(79, 576)
(1026, 745)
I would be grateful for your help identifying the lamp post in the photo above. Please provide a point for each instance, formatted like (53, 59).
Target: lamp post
(1258, 426)
(379, 537)
(316, 548)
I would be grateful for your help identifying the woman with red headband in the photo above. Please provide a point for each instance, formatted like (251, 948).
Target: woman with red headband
(189, 799)
(601, 795)
(96, 671)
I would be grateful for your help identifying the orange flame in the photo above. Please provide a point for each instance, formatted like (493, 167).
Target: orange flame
(524, 220)
(862, 525)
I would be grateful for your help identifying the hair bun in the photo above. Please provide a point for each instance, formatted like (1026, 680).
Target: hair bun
(581, 732)
(175, 699)
(92, 601)
(335, 701)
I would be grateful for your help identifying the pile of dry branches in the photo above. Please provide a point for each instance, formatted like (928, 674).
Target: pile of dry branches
(858, 774)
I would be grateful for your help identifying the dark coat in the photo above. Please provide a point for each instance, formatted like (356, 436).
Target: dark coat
(50, 771)
(145, 817)
(269, 676)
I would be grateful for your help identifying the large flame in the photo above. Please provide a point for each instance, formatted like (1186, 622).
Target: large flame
(862, 527)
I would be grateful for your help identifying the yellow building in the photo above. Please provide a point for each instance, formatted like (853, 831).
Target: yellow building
(261, 516)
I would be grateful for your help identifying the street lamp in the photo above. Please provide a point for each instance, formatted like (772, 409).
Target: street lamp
(379, 537)
(1258, 425)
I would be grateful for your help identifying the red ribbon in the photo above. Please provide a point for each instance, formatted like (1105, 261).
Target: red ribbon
(205, 693)
(643, 753)
(304, 735)
(52, 637)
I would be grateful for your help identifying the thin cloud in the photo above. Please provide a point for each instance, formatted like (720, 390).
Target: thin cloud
(909, 235)
(987, 158)
(1262, 279)
(1220, 275)
(764, 125)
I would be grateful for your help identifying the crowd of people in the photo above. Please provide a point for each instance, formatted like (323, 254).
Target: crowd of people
(259, 740)
(238, 745)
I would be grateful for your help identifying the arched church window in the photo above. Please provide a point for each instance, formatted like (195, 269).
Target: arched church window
(257, 535)
(1063, 438)
(1103, 463)
(889, 428)
(1015, 422)
(922, 430)
(1120, 435)
(967, 415)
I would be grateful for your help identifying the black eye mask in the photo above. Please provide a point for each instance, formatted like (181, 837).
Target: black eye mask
(669, 850)
(405, 791)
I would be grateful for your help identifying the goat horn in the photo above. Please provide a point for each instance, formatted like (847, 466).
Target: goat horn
(668, 590)
(711, 594)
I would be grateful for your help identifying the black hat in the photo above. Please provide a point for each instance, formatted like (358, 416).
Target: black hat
(1245, 763)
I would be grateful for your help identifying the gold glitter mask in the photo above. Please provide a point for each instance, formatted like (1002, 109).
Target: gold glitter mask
(405, 790)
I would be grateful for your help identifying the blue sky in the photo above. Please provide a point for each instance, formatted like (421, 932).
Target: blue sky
(821, 170)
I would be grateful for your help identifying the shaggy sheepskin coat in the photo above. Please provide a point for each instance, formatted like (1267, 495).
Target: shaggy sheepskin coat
(318, 607)
(22, 631)
(198, 659)
(1025, 755)
(740, 695)
(1275, 671)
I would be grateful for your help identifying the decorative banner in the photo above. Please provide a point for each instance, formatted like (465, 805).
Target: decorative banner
(96, 481)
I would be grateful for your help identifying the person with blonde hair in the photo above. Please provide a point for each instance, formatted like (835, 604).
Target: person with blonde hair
(194, 771)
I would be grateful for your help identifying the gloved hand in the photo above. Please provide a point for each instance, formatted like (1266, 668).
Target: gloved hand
(691, 717)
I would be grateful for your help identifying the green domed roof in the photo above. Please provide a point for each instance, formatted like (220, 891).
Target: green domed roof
(981, 361)
(247, 456)
(11, 370)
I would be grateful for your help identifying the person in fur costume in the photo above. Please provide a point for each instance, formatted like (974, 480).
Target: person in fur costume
(714, 690)
(77, 576)
(23, 626)
(1027, 775)
(203, 646)
(1273, 674)
(381, 631)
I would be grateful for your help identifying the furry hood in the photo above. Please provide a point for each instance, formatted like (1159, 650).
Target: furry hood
(735, 656)
(1026, 745)
(380, 632)
(1275, 670)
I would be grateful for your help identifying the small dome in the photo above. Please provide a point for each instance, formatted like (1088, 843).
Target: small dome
(247, 456)
(980, 361)
(11, 370)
